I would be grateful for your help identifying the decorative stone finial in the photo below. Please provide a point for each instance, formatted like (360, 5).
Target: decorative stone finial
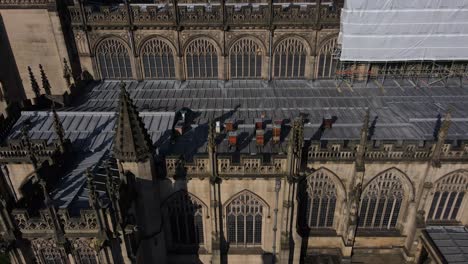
(45, 81)
(91, 188)
(67, 73)
(34, 86)
(441, 136)
(211, 136)
(297, 135)
(132, 142)
(27, 143)
(58, 128)
(361, 148)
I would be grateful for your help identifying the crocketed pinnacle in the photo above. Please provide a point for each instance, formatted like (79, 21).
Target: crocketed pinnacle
(132, 142)
(58, 128)
(34, 86)
(45, 81)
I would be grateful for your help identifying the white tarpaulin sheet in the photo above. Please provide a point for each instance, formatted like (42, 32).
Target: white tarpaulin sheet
(401, 30)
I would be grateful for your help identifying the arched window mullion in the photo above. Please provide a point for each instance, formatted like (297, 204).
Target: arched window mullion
(157, 58)
(448, 196)
(242, 231)
(390, 220)
(381, 202)
(384, 211)
(325, 61)
(204, 60)
(183, 209)
(113, 59)
(243, 56)
(320, 201)
(287, 59)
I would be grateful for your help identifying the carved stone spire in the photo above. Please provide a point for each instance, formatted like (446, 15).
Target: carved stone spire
(112, 189)
(34, 86)
(109, 181)
(296, 142)
(361, 148)
(45, 81)
(296, 138)
(212, 156)
(58, 128)
(132, 142)
(211, 136)
(28, 145)
(67, 73)
(91, 189)
(441, 136)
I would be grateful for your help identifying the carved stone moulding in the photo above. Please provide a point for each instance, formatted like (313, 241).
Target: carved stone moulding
(86, 221)
(386, 150)
(249, 165)
(175, 166)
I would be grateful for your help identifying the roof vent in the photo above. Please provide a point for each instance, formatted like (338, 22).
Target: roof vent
(328, 121)
(229, 125)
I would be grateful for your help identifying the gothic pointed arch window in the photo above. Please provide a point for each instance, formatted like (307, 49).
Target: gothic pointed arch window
(326, 61)
(245, 59)
(201, 60)
(381, 202)
(83, 252)
(448, 197)
(321, 200)
(245, 220)
(158, 60)
(113, 59)
(289, 59)
(47, 252)
(186, 218)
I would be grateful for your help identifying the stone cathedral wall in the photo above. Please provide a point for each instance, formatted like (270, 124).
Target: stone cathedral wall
(36, 37)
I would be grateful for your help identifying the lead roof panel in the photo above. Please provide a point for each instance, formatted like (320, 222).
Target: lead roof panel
(451, 241)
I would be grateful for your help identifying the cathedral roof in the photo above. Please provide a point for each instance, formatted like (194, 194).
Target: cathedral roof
(398, 111)
(450, 242)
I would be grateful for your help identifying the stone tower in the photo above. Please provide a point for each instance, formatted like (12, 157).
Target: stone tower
(134, 153)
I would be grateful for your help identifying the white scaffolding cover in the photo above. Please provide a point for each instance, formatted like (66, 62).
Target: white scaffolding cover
(402, 30)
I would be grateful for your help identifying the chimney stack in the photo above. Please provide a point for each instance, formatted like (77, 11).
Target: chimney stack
(277, 125)
(232, 137)
(260, 137)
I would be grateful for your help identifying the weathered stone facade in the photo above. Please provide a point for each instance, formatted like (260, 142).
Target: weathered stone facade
(290, 200)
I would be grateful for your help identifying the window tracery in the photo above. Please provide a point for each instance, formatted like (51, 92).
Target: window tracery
(244, 220)
(186, 218)
(84, 253)
(245, 59)
(289, 59)
(113, 60)
(158, 60)
(201, 60)
(448, 197)
(381, 202)
(46, 251)
(321, 200)
(326, 63)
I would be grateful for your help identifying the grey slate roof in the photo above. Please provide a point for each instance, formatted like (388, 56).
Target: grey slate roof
(400, 111)
(451, 241)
